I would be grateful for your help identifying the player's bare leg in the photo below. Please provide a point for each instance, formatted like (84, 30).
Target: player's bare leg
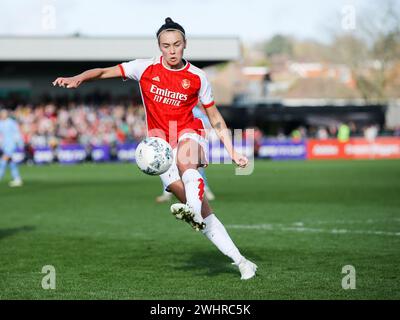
(166, 196)
(214, 229)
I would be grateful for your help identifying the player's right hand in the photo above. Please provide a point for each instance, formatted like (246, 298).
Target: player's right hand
(70, 83)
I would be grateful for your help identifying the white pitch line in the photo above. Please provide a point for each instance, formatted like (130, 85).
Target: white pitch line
(366, 221)
(297, 228)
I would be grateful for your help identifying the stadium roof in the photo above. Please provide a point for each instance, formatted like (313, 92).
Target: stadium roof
(111, 48)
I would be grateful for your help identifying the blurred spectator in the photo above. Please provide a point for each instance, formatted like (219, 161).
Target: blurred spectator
(281, 134)
(256, 135)
(396, 132)
(332, 130)
(343, 133)
(322, 133)
(299, 134)
(296, 135)
(371, 132)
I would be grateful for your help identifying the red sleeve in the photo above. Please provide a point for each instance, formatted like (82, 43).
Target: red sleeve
(121, 68)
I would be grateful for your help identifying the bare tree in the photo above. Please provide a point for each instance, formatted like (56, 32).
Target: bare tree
(371, 50)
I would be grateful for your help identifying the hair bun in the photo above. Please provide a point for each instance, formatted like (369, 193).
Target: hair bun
(171, 25)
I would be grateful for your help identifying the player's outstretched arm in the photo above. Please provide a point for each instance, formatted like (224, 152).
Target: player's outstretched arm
(219, 125)
(92, 74)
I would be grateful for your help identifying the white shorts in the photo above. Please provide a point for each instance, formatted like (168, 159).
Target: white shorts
(172, 174)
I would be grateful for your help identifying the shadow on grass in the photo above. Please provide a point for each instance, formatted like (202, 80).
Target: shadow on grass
(4, 233)
(212, 263)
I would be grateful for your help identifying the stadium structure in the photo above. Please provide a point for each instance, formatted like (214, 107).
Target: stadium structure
(28, 65)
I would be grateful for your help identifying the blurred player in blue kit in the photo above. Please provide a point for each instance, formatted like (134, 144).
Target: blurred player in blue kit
(10, 141)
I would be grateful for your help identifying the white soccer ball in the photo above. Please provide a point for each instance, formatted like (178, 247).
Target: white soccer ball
(154, 156)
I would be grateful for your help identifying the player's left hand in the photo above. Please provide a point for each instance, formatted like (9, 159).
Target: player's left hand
(240, 160)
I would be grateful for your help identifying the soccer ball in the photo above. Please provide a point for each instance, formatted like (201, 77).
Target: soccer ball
(154, 156)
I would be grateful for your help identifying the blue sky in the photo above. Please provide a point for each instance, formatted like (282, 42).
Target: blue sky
(251, 20)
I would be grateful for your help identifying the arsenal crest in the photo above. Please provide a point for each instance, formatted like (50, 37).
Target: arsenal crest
(185, 84)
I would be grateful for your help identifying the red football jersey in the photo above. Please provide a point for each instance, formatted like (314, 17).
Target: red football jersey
(169, 95)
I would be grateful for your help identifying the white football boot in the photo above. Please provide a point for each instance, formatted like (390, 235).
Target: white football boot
(15, 183)
(183, 212)
(165, 197)
(247, 269)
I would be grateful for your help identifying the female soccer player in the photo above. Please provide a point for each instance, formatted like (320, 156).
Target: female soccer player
(171, 87)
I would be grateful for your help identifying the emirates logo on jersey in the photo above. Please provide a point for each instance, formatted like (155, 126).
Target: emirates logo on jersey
(168, 97)
(185, 84)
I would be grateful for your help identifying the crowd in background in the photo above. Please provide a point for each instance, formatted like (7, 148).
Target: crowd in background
(89, 124)
(49, 125)
(342, 131)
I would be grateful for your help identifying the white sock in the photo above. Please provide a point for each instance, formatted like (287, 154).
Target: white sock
(216, 232)
(194, 189)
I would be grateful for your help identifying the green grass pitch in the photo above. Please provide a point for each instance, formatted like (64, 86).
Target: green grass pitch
(301, 222)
